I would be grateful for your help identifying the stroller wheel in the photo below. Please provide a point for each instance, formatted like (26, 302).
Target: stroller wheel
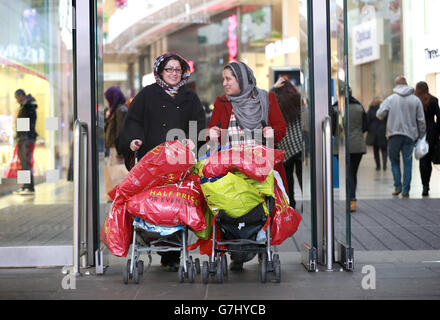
(140, 267)
(277, 272)
(263, 267)
(136, 273)
(219, 271)
(191, 272)
(181, 274)
(205, 272)
(224, 264)
(197, 265)
(126, 272)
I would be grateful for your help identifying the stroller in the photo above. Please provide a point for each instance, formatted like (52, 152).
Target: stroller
(243, 239)
(152, 238)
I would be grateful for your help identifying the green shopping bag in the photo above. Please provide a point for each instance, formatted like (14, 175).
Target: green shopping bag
(266, 188)
(198, 168)
(232, 194)
(205, 233)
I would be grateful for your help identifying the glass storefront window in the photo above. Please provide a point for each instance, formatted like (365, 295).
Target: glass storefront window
(36, 56)
(270, 36)
(375, 47)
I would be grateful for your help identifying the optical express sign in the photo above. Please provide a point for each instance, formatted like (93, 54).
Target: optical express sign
(365, 42)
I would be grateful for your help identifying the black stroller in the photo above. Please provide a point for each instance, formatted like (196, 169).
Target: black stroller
(239, 236)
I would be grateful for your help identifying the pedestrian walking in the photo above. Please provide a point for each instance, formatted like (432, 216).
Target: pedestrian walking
(25, 139)
(114, 119)
(376, 135)
(357, 118)
(431, 110)
(405, 125)
(289, 99)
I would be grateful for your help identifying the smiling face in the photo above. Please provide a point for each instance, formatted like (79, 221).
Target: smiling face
(230, 83)
(172, 78)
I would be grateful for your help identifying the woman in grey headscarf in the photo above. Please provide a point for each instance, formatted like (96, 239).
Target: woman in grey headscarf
(244, 107)
(242, 110)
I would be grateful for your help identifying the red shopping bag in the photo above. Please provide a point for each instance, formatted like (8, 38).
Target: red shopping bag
(117, 232)
(182, 203)
(206, 245)
(284, 219)
(256, 162)
(15, 165)
(167, 163)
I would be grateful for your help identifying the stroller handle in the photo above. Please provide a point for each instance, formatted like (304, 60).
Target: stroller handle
(263, 125)
(136, 153)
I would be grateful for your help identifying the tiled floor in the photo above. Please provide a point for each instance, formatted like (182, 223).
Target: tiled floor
(395, 275)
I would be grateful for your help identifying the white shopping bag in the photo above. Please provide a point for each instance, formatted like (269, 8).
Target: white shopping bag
(422, 148)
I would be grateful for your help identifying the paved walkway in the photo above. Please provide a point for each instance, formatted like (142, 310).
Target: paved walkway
(377, 276)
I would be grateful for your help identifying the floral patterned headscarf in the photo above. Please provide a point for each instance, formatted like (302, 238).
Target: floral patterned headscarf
(172, 91)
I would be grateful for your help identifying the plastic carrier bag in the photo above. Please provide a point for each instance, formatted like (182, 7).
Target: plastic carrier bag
(256, 162)
(266, 188)
(171, 205)
(232, 194)
(205, 233)
(422, 148)
(117, 231)
(284, 219)
(165, 164)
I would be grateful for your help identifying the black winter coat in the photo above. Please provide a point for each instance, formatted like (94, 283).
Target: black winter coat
(151, 115)
(28, 110)
(432, 127)
(376, 128)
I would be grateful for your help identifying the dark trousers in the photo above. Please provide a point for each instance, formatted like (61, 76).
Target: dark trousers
(425, 165)
(384, 151)
(355, 160)
(171, 257)
(294, 164)
(25, 154)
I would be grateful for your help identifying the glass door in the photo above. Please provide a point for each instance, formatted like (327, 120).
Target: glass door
(271, 36)
(36, 114)
(342, 184)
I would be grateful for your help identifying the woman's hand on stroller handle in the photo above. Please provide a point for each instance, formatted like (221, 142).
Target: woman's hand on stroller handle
(135, 145)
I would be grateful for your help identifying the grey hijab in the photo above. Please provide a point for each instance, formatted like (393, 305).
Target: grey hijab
(251, 106)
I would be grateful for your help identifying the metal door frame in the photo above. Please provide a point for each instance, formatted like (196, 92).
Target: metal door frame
(84, 96)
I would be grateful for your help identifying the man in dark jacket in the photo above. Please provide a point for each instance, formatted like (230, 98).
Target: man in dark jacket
(26, 136)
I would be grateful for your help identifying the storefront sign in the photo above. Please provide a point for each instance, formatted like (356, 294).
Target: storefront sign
(365, 43)
(23, 54)
(432, 54)
(280, 47)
